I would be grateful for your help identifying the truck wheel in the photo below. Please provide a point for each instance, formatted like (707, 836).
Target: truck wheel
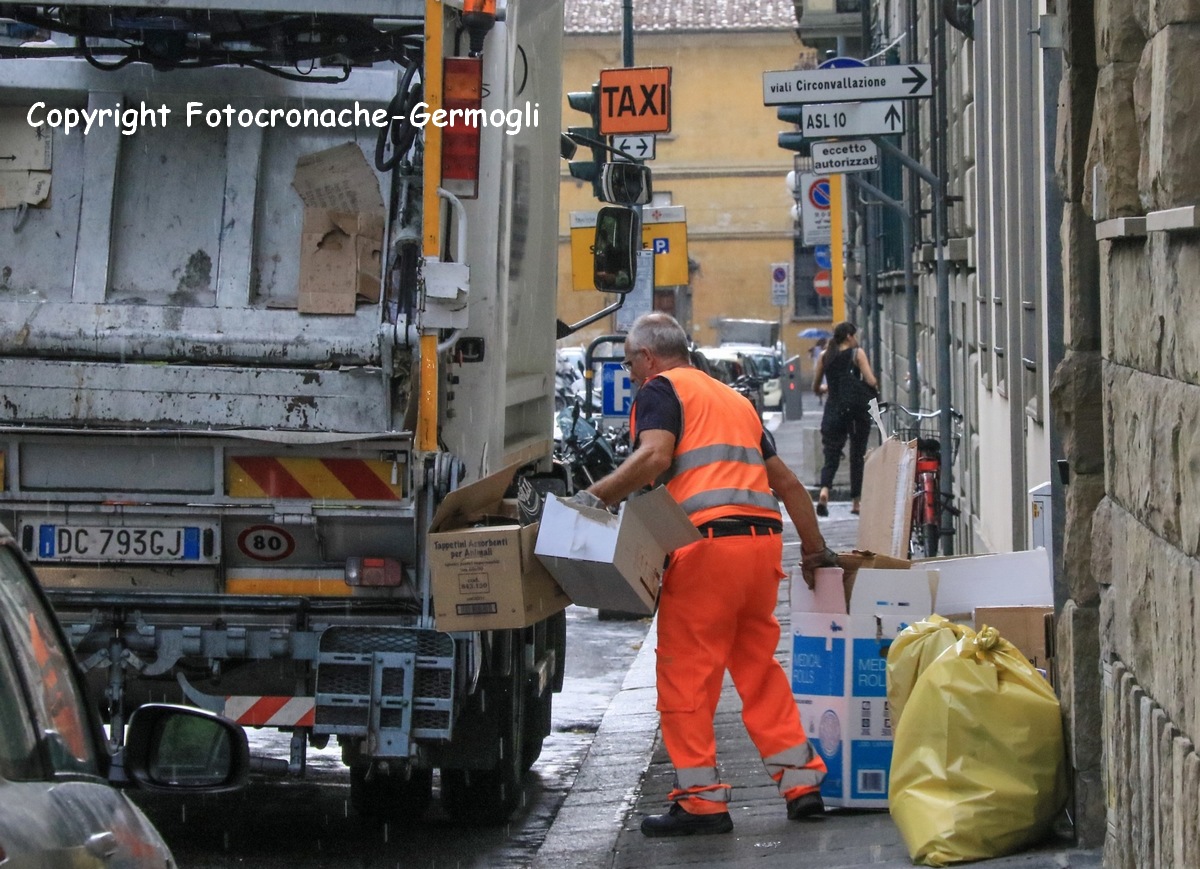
(490, 796)
(390, 797)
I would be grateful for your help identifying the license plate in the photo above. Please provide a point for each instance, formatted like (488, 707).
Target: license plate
(161, 543)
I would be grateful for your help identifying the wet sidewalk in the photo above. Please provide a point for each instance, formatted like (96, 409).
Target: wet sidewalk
(626, 776)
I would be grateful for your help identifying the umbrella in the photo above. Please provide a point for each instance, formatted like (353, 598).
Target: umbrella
(815, 333)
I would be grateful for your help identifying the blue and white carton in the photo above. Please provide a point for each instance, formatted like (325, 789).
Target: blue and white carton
(839, 673)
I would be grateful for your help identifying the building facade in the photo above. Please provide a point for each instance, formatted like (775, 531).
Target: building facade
(720, 161)
(1067, 265)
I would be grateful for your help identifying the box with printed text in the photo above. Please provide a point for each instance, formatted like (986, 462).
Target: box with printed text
(482, 567)
(839, 674)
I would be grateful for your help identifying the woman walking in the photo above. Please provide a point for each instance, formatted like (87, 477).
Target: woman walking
(845, 368)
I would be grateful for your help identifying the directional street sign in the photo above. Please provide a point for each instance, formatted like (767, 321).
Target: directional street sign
(825, 120)
(793, 86)
(845, 155)
(641, 147)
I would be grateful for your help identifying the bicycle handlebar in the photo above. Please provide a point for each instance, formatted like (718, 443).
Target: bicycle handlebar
(885, 406)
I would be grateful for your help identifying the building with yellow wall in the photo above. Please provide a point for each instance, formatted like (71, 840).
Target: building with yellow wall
(720, 160)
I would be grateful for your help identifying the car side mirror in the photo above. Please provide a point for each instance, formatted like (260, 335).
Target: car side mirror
(181, 749)
(615, 248)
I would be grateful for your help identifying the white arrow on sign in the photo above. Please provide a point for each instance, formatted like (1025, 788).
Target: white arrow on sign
(793, 87)
(641, 147)
(851, 119)
(845, 155)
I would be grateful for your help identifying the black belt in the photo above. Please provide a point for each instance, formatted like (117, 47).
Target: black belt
(740, 527)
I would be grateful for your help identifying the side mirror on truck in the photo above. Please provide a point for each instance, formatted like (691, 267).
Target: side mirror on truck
(617, 242)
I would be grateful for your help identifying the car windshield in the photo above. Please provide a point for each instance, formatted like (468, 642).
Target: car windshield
(44, 668)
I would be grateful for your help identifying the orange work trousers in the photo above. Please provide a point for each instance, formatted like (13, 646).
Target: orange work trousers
(716, 612)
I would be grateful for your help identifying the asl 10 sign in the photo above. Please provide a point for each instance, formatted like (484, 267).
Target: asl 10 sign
(635, 99)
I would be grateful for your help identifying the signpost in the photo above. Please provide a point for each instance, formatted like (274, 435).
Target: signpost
(635, 99)
(781, 279)
(792, 86)
(845, 155)
(826, 120)
(639, 147)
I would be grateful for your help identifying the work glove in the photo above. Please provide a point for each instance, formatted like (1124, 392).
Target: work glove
(584, 498)
(810, 563)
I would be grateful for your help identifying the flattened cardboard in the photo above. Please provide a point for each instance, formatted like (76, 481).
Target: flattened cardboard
(1023, 626)
(25, 169)
(487, 578)
(341, 242)
(996, 579)
(613, 562)
(885, 519)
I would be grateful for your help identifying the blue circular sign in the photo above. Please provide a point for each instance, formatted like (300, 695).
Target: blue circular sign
(840, 63)
(779, 275)
(823, 257)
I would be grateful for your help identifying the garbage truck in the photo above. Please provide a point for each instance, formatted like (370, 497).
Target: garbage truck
(276, 278)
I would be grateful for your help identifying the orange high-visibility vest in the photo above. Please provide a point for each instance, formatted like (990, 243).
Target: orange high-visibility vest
(718, 467)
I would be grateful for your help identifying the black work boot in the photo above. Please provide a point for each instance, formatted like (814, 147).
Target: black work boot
(809, 805)
(680, 822)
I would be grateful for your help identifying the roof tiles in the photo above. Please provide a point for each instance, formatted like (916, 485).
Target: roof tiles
(604, 16)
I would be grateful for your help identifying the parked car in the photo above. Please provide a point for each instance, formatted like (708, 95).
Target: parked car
(731, 361)
(60, 799)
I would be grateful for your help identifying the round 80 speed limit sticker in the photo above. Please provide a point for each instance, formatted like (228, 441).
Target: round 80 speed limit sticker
(266, 543)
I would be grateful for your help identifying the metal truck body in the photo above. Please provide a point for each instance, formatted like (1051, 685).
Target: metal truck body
(228, 497)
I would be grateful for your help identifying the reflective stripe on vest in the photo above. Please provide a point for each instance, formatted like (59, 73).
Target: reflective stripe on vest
(718, 468)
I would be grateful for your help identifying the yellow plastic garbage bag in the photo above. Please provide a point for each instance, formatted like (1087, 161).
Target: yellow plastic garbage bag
(916, 647)
(978, 769)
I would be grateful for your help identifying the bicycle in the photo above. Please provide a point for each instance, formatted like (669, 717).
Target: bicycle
(928, 503)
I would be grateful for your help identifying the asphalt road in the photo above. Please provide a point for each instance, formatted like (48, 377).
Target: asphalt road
(305, 824)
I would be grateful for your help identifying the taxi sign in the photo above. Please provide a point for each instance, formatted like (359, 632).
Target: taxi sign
(635, 99)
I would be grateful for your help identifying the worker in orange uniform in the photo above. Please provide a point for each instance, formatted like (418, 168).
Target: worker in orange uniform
(716, 609)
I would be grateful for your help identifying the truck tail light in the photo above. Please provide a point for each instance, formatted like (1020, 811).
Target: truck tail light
(463, 101)
(374, 572)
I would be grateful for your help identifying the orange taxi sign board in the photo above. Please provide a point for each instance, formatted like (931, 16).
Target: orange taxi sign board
(635, 99)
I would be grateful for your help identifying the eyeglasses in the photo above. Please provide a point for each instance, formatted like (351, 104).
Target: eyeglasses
(627, 363)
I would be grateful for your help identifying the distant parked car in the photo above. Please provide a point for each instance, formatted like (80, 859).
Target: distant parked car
(731, 361)
(60, 805)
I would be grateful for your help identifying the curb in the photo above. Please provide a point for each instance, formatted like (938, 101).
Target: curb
(584, 833)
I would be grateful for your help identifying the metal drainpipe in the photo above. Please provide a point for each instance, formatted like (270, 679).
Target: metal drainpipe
(937, 26)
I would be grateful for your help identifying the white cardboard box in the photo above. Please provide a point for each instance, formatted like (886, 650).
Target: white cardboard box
(839, 674)
(613, 561)
(839, 658)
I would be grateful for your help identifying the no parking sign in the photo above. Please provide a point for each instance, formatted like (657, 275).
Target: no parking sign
(814, 208)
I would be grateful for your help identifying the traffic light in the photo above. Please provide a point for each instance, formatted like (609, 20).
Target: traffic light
(793, 140)
(587, 170)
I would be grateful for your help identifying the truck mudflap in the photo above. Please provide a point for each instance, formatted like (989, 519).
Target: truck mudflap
(390, 685)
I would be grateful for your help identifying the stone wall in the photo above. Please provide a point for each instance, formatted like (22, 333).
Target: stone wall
(1133, 523)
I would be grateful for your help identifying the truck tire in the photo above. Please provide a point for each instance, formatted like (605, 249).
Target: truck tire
(391, 797)
(490, 796)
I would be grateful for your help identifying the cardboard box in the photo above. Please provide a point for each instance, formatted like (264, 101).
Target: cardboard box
(839, 674)
(613, 562)
(341, 242)
(856, 559)
(487, 578)
(1026, 627)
